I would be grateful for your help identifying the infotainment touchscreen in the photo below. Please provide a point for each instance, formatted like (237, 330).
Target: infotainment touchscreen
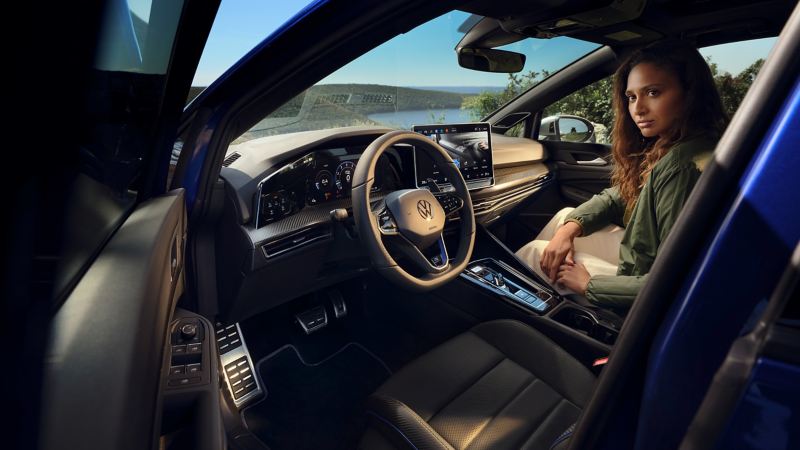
(470, 146)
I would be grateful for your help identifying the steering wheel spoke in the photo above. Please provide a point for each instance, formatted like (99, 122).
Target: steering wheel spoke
(451, 203)
(386, 223)
(433, 260)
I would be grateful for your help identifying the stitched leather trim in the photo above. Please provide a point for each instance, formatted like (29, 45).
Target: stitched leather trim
(402, 408)
(499, 361)
(564, 436)
(392, 426)
(544, 419)
(521, 325)
(497, 413)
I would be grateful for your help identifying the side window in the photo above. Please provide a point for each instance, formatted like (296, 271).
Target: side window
(583, 116)
(125, 86)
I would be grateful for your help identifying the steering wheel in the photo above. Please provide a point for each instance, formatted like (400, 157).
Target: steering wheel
(413, 220)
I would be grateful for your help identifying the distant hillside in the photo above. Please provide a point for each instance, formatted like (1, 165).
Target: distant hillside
(373, 98)
(369, 98)
(469, 90)
(339, 105)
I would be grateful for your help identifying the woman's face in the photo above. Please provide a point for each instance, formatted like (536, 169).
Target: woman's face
(655, 99)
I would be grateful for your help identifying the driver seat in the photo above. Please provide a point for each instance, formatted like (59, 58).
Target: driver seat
(500, 385)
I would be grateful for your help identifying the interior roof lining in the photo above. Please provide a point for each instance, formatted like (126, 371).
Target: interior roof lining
(742, 20)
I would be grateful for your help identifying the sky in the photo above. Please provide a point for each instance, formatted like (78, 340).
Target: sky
(409, 59)
(240, 25)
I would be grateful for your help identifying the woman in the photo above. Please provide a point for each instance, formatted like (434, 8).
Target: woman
(669, 118)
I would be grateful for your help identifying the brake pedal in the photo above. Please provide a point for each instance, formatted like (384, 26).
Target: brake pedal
(313, 319)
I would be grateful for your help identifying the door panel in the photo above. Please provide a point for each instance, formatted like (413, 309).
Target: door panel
(574, 145)
(584, 169)
(103, 364)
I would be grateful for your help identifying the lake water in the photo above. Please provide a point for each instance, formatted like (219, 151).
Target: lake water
(406, 119)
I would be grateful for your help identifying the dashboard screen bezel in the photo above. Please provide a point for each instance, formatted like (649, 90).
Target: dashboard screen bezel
(458, 128)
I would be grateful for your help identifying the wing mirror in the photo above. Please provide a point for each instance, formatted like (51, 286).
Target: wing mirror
(490, 60)
(566, 129)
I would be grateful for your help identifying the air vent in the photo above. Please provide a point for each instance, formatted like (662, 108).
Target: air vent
(230, 159)
(294, 241)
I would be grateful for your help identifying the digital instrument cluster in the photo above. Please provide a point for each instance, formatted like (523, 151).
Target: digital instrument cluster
(333, 176)
(316, 178)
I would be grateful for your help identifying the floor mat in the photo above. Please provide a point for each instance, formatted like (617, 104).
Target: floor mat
(315, 405)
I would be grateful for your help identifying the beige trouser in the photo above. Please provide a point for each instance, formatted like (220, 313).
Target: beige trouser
(599, 251)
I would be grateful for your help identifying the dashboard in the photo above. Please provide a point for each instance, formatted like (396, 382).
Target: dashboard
(275, 224)
(320, 177)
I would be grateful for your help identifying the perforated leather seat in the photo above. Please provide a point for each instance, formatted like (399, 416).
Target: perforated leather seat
(501, 385)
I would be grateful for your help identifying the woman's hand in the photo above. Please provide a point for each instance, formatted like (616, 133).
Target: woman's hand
(574, 277)
(559, 250)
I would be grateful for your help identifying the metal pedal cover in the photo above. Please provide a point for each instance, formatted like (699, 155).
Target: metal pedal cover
(228, 338)
(237, 365)
(313, 319)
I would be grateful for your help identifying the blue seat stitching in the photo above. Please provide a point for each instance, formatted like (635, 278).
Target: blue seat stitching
(564, 436)
(386, 421)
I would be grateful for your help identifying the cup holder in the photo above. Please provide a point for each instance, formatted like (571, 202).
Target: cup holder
(585, 322)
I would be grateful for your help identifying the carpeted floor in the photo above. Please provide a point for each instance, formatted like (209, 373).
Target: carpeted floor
(314, 405)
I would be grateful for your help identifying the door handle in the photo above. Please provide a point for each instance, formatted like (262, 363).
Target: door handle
(593, 162)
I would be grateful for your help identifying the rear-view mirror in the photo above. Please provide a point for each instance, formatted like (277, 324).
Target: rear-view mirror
(490, 60)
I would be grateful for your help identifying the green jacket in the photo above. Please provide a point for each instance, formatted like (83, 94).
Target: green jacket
(661, 200)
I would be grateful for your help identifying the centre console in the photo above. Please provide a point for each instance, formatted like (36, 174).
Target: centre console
(498, 274)
(504, 281)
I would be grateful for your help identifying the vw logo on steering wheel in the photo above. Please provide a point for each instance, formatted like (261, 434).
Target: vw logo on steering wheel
(425, 210)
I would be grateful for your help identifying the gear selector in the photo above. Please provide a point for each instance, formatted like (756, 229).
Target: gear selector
(501, 279)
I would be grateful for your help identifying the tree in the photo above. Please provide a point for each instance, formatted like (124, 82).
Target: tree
(732, 89)
(592, 102)
(483, 104)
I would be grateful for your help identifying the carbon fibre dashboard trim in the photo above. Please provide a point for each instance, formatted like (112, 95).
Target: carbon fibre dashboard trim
(306, 218)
